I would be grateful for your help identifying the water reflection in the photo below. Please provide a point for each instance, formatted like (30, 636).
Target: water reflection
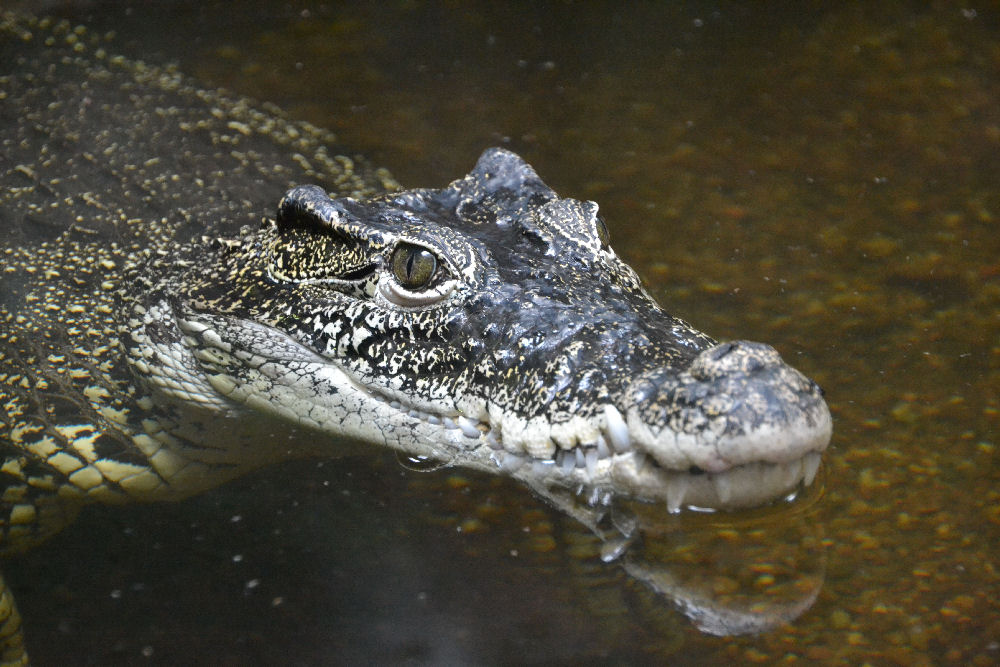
(734, 576)
(729, 573)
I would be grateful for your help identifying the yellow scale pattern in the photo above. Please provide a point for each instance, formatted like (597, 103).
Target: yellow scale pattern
(84, 174)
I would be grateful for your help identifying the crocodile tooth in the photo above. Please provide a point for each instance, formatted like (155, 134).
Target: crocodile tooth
(449, 423)
(491, 440)
(469, 427)
(578, 455)
(566, 461)
(810, 464)
(590, 458)
(676, 491)
(617, 429)
(602, 447)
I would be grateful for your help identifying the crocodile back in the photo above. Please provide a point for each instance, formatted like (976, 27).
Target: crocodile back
(105, 161)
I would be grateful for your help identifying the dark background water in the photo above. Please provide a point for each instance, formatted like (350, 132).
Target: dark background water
(820, 178)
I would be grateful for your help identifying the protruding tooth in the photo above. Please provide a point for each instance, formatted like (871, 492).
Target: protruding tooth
(566, 461)
(449, 422)
(578, 454)
(469, 427)
(491, 440)
(590, 458)
(723, 488)
(676, 491)
(617, 430)
(810, 464)
(602, 447)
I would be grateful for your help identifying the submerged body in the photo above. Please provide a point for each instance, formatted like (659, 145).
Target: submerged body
(158, 340)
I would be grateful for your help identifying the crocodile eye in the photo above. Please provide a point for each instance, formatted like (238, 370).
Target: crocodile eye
(602, 233)
(413, 266)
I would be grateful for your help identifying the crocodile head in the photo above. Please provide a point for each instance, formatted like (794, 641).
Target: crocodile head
(490, 324)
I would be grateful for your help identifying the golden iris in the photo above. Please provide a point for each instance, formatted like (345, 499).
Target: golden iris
(413, 266)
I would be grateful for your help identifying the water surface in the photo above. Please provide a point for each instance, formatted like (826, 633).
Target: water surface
(821, 179)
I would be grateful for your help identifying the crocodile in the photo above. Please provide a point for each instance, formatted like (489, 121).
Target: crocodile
(166, 329)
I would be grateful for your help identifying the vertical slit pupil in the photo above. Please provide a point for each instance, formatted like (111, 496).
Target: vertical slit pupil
(413, 266)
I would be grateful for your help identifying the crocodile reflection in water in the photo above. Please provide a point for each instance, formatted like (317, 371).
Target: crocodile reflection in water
(155, 346)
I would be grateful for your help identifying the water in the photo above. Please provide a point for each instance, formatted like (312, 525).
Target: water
(821, 179)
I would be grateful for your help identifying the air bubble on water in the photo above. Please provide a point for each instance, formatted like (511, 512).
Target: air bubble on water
(419, 463)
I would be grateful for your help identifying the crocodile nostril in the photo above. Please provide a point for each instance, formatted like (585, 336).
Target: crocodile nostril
(738, 356)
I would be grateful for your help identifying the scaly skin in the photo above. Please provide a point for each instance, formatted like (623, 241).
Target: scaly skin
(157, 341)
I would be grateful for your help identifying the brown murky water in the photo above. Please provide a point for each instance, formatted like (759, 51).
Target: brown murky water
(825, 180)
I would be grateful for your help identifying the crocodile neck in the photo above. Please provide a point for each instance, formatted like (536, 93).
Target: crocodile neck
(110, 168)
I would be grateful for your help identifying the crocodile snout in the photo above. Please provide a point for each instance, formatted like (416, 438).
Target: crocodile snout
(737, 403)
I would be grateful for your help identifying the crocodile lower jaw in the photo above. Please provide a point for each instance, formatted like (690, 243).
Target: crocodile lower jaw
(742, 486)
(637, 476)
